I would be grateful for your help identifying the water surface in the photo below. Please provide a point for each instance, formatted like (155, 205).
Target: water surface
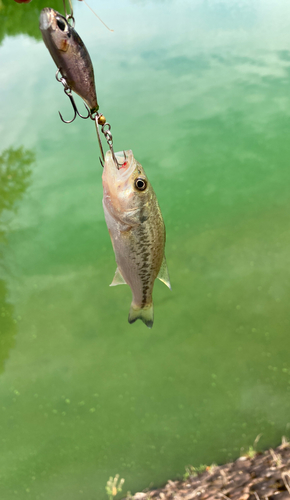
(200, 92)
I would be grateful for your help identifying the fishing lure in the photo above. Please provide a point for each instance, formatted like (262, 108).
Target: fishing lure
(70, 55)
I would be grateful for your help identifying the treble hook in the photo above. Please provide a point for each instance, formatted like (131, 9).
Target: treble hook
(109, 138)
(76, 111)
(115, 159)
(99, 119)
(68, 92)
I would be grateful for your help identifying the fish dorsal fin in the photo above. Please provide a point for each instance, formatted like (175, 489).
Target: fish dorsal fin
(118, 279)
(163, 274)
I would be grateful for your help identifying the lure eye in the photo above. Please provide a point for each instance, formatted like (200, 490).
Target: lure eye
(140, 184)
(61, 23)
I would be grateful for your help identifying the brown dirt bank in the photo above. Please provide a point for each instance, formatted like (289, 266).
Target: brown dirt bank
(252, 477)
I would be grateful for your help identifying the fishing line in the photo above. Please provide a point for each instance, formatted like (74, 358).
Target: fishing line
(96, 15)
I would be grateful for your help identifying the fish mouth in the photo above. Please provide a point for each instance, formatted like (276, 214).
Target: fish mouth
(46, 18)
(125, 162)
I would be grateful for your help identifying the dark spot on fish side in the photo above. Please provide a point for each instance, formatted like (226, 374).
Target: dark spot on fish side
(143, 218)
(144, 294)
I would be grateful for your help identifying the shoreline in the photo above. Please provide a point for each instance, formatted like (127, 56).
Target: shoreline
(254, 476)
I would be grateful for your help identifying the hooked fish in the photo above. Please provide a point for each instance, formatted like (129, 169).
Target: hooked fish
(70, 55)
(137, 231)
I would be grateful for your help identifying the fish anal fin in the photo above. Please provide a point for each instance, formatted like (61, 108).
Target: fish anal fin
(163, 274)
(143, 313)
(118, 279)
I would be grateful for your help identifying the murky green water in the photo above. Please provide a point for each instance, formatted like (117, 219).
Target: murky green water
(199, 90)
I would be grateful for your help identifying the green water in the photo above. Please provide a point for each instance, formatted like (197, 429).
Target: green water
(200, 91)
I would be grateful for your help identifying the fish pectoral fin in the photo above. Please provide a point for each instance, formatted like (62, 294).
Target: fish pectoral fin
(163, 274)
(118, 279)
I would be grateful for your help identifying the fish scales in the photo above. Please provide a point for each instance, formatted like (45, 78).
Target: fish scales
(148, 254)
(137, 232)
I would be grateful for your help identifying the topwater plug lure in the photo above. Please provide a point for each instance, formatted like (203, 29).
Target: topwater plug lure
(70, 56)
(75, 70)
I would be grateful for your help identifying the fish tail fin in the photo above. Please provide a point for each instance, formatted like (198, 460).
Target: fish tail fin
(143, 313)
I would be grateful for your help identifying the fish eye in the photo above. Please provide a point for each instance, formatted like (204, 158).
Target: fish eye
(61, 23)
(140, 184)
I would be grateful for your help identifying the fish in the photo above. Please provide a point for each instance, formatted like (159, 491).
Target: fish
(70, 55)
(137, 231)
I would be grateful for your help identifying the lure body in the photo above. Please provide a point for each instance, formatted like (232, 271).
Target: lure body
(69, 54)
(137, 232)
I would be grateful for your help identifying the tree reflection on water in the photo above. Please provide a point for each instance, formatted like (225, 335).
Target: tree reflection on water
(15, 174)
(18, 19)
